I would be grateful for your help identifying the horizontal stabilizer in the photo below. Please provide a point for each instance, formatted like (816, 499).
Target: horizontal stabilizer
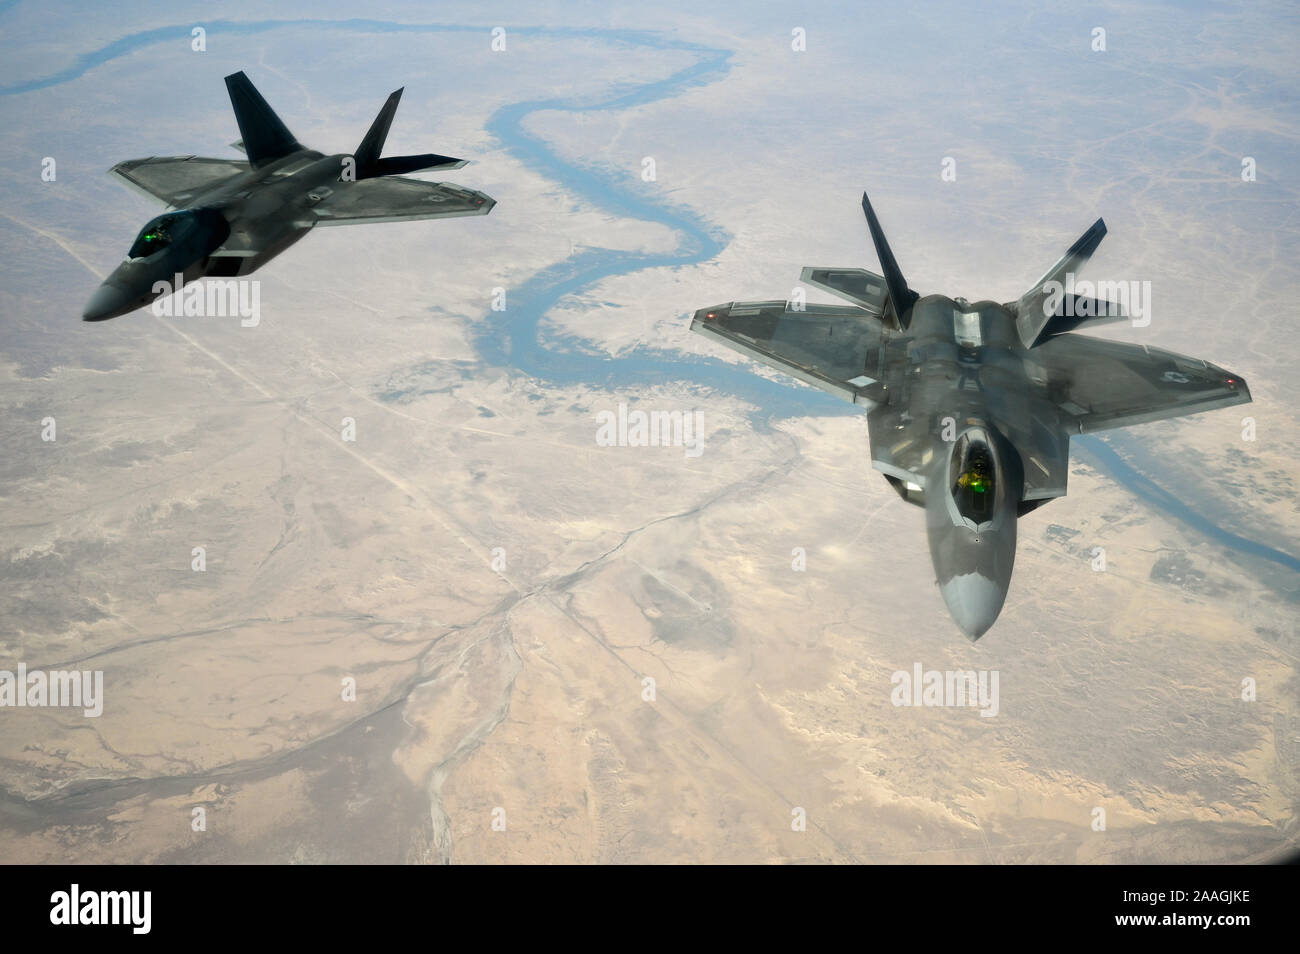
(401, 165)
(1074, 312)
(857, 285)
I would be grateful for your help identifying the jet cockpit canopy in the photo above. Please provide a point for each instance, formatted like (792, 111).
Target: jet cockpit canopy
(204, 229)
(975, 481)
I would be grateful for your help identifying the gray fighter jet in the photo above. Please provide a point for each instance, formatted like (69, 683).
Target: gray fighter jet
(229, 217)
(970, 406)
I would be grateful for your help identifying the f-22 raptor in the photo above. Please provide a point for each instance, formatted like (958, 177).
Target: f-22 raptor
(229, 217)
(970, 406)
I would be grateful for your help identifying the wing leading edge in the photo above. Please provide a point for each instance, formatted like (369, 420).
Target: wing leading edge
(176, 180)
(832, 347)
(1102, 384)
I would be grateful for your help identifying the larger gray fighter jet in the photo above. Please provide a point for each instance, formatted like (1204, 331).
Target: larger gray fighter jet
(229, 217)
(970, 406)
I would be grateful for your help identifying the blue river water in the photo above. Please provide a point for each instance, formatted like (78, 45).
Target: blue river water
(513, 338)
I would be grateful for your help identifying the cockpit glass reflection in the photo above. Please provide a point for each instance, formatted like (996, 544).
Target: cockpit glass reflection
(973, 489)
(155, 236)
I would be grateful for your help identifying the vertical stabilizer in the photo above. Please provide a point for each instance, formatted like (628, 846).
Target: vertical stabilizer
(264, 137)
(1031, 310)
(372, 146)
(900, 296)
(368, 154)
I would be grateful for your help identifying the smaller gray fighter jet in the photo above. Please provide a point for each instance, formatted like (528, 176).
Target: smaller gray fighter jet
(229, 217)
(970, 405)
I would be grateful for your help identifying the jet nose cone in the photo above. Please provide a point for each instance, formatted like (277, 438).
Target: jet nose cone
(974, 601)
(109, 301)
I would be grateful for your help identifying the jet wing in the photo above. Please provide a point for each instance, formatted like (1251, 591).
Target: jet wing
(1102, 384)
(395, 199)
(176, 180)
(832, 347)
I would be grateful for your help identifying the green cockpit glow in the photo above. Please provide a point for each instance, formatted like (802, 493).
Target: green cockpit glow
(973, 489)
(155, 236)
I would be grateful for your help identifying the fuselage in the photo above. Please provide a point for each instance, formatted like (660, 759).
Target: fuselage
(228, 231)
(960, 374)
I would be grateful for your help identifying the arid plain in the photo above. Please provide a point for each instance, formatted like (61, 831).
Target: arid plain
(499, 586)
